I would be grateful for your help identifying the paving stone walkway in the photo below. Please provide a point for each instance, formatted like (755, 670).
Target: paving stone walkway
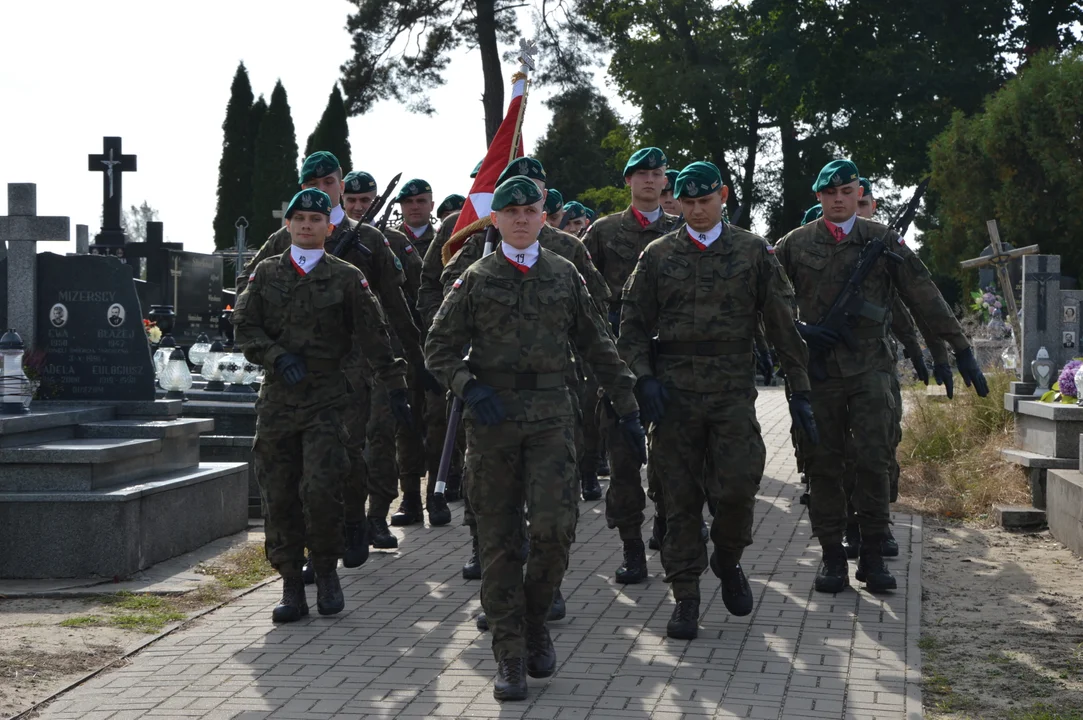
(406, 646)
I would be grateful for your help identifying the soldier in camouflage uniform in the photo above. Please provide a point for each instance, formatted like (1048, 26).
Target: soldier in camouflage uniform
(615, 243)
(521, 310)
(300, 317)
(366, 250)
(453, 203)
(554, 207)
(702, 290)
(854, 393)
(573, 216)
(669, 202)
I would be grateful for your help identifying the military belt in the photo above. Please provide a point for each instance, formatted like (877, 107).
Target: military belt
(521, 381)
(322, 365)
(869, 333)
(706, 348)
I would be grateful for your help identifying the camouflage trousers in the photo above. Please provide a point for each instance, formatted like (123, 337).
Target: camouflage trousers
(425, 458)
(625, 500)
(355, 416)
(301, 462)
(707, 447)
(854, 448)
(511, 465)
(391, 451)
(855, 415)
(588, 432)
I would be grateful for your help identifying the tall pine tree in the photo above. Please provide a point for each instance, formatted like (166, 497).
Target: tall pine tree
(275, 178)
(235, 167)
(332, 133)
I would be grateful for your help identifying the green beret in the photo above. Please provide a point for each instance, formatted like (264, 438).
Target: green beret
(866, 186)
(835, 173)
(574, 210)
(516, 190)
(813, 214)
(525, 166)
(476, 170)
(317, 165)
(310, 200)
(671, 180)
(359, 182)
(590, 213)
(412, 188)
(554, 201)
(698, 179)
(450, 204)
(645, 159)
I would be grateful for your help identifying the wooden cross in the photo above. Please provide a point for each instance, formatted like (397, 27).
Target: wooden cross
(999, 260)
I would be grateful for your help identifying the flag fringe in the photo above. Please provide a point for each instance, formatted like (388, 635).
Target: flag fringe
(456, 241)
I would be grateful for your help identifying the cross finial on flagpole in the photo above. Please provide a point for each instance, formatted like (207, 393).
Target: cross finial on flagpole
(527, 50)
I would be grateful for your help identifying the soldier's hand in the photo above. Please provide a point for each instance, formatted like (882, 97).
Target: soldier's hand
(652, 397)
(917, 358)
(971, 372)
(943, 376)
(767, 366)
(634, 433)
(801, 413)
(400, 407)
(485, 403)
(818, 338)
(291, 367)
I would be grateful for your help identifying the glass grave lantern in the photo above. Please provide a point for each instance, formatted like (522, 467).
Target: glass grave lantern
(14, 384)
(176, 378)
(198, 352)
(211, 372)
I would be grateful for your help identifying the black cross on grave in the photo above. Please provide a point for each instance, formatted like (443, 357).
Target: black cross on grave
(112, 164)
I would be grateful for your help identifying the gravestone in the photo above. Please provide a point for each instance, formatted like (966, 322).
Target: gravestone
(1043, 314)
(90, 327)
(82, 239)
(112, 164)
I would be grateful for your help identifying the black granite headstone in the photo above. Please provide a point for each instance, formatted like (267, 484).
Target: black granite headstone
(90, 326)
(195, 293)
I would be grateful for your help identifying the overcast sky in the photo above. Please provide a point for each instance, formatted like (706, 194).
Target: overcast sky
(158, 75)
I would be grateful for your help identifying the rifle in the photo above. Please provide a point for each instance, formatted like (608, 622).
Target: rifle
(901, 222)
(379, 201)
(456, 414)
(351, 238)
(738, 215)
(382, 223)
(850, 305)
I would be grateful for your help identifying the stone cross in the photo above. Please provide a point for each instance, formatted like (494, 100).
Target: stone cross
(1042, 311)
(112, 164)
(999, 260)
(23, 230)
(242, 227)
(281, 214)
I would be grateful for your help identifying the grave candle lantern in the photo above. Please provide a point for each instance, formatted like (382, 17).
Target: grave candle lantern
(176, 379)
(198, 352)
(210, 371)
(161, 355)
(14, 382)
(1042, 369)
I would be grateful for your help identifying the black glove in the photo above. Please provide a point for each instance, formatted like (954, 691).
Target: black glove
(968, 368)
(767, 367)
(427, 380)
(943, 376)
(400, 407)
(291, 367)
(614, 320)
(917, 357)
(652, 397)
(801, 413)
(634, 433)
(485, 403)
(818, 338)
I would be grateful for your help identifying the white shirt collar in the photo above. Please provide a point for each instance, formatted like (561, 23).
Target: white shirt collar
(707, 237)
(848, 225)
(522, 258)
(419, 231)
(653, 214)
(337, 214)
(305, 259)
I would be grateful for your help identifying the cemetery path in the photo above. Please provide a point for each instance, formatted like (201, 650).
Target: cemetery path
(406, 646)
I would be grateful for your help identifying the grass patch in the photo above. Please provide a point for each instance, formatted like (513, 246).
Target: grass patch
(240, 568)
(83, 621)
(142, 613)
(950, 452)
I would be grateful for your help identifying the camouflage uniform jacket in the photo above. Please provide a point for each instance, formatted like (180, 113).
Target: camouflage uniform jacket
(564, 244)
(615, 243)
(421, 243)
(905, 328)
(431, 293)
(410, 259)
(524, 325)
(326, 316)
(704, 306)
(820, 267)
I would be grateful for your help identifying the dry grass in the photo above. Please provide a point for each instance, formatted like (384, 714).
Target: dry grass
(240, 568)
(950, 453)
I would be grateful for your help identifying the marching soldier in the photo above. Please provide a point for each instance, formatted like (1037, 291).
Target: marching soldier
(554, 207)
(615, 243)
(452, 203)
(416, 203)
(301, 315)
(574, 218)
(852, 387)
(669, 203)
(521, 310)
(701, 290)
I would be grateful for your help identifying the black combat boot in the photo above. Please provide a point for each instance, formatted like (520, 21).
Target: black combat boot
(380, 536)
(293, 606)
(634, 568)
(889, 547)
(871, 569)
(559, 609)
(329, 599)
(472, 568)
(541, 656)
(658, 533)
(453, 489)
(308, 573)
(603, 463)
(510, 683)
(439, 512)
(736, 592)
(684, 624)
(851, 541)
(357, 545)
(833, 575)
(591, 489)
(409, 512)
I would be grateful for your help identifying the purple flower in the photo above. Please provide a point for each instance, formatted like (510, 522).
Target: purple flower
(1067, 378)
(988, 297)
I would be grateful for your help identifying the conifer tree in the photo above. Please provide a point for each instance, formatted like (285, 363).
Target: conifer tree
(332, 133)
(235, 167)
(275, 166)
